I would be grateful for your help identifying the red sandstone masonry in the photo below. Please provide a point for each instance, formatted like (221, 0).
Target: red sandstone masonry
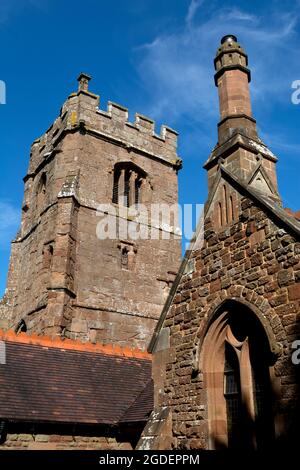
(24, 441)
(234, 94)
(268, 278)
(294, 292)
(65, 281)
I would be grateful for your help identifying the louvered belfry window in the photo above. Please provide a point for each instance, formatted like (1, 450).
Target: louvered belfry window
(127, 189)
(115, 197)
(138, 184)
(127, 184)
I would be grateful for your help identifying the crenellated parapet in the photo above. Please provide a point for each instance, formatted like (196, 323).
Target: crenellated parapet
(81, 112)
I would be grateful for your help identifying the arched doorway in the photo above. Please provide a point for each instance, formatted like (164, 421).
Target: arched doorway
(236, 362)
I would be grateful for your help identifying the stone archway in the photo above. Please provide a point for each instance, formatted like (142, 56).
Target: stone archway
(237, 357)
(257, 304)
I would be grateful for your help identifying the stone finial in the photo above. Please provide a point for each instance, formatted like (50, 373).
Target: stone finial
(230, 54)
(83, 81)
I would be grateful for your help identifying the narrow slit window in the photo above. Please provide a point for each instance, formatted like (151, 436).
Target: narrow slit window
(225, 203)
(231, 208)
(220, 214)
(124, 258)
(41, 191)
(47, 256)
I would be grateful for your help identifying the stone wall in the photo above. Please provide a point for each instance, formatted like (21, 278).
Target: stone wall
(256, 262)
(62, 442)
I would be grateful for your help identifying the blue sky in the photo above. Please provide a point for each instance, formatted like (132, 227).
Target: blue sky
(156, 58)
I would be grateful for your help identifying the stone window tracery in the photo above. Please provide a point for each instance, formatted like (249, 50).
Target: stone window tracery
(236, 366)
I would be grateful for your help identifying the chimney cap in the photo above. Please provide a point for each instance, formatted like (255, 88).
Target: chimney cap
(83, 75)
(229, 44)
(228, 36)
(83, 81)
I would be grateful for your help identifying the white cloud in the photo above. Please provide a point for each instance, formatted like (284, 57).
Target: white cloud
(280, 143)
(238, 15)
(177, 66)
(9, 222)
(192, 9)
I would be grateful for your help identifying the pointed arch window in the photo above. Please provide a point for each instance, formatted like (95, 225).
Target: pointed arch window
(236, 366)
(231, 207)
(220, 214)
(225, 210)
(225, 203)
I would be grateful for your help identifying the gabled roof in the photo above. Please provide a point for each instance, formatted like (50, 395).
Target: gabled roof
(267, 202)
(46, 383)
(291, 223)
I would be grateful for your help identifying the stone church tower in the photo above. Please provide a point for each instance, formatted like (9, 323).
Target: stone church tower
(224, 363)
(64, 280)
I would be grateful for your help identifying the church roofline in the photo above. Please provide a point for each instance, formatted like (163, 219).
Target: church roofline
(288, 220)
(61, 382)
(74, 345)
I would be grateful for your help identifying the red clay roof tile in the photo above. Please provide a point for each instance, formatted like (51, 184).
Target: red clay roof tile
(47, 383)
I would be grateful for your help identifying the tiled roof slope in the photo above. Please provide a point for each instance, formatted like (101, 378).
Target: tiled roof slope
(142, 406)
(47, 383)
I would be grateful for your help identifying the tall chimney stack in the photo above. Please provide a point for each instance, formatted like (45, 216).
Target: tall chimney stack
(239, 149)
(232, 78)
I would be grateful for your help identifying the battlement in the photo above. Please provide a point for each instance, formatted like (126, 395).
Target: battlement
(81, 110)
(144, 124)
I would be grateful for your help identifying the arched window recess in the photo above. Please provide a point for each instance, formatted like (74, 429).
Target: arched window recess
(128, 182)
